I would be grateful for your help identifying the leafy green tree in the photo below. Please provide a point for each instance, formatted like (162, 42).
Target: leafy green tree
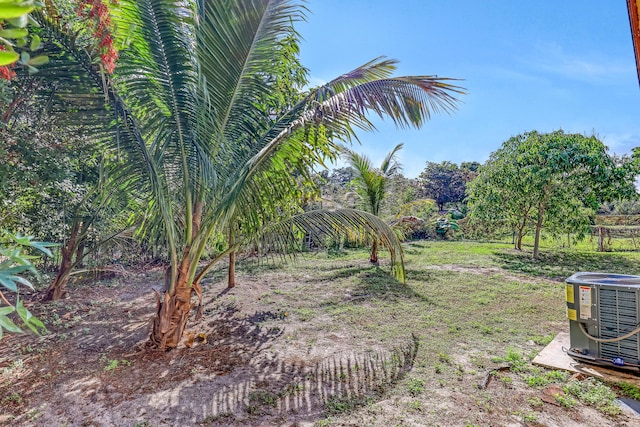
(470, 166)
(444, 182)
(371, 183)
(533, 179)
(188, 96)
(51, 163)
(15, 46)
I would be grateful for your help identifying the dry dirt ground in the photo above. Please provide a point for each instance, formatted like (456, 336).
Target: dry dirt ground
(255, 360)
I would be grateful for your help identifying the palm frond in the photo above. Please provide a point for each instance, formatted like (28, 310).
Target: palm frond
(356, 225)
(390, 166)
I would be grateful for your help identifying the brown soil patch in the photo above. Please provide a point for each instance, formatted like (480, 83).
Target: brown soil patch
(261, 364)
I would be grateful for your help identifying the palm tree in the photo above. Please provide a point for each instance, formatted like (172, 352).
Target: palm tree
(189, 101)
(372, 182)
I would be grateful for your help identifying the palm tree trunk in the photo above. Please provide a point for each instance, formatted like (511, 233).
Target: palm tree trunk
(374, 253)
(56, 289)
(172, 310)
(232, 261)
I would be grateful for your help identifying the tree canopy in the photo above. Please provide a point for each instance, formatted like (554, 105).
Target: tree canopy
(544, 180)
(446, 182)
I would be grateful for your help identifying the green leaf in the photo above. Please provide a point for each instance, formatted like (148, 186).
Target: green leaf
(42, 246)
(25, 57)
(35, 42)
(14, 33)
(34, 62)
(7, 58)
(14, 10)
(6, 310)
(8, 324)
(19, 22)
(29, 319)
(8, 283)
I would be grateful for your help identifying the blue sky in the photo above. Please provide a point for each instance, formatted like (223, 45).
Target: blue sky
(533, 65)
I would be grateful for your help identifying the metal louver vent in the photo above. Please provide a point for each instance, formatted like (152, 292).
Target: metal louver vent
(618, 316)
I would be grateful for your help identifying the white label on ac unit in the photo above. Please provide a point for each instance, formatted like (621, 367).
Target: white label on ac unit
(585, 302)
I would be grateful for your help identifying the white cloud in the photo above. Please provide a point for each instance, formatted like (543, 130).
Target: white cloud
(592, 66)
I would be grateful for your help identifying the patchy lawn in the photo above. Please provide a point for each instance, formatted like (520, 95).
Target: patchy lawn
(326, 341)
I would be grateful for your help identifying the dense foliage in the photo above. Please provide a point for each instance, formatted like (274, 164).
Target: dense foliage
(446, 183)
(554, 181)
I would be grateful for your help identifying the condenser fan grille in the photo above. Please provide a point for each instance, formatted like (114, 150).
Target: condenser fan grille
(618, 315)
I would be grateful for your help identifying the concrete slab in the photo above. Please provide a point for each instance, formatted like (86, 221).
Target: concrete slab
(554, 357)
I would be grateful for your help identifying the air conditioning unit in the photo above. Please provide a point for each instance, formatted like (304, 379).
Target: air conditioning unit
(604, 322)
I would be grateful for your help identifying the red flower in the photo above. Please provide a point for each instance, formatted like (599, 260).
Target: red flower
(97, 13)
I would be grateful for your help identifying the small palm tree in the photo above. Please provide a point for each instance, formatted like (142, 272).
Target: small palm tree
(372, 182)
(189, 98)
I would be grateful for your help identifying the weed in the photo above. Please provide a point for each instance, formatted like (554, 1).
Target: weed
(516, 359)
(263, 397)
(565, 400)
(529, 417)
(113, 364)
(415, 386)
(416, 406)
(594, 393)
(444, 358)
(543, 340)
(535, 402)
(13, 399)
(292, 389)
(629, 390)
(224, 418)
(540, 379)
(305, 314)
(34, 414)
(339, 404)
(342, 404)
(506, 380)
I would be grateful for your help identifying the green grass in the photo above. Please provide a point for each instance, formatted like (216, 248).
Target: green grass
(474, 306)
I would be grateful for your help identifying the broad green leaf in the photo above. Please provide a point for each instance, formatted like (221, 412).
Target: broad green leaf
(14, 10)
(42, 246)
(29, 319)
(22, 281)
(8, 283)
(6, 310)
(16, 269)
(35, 42)
(8, 324)
(14, 33)
(25, 57)
(7, 58)
(19, 22)
(36, 61)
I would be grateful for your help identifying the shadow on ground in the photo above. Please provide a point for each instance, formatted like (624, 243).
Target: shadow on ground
(559, 265)
(276, 388)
